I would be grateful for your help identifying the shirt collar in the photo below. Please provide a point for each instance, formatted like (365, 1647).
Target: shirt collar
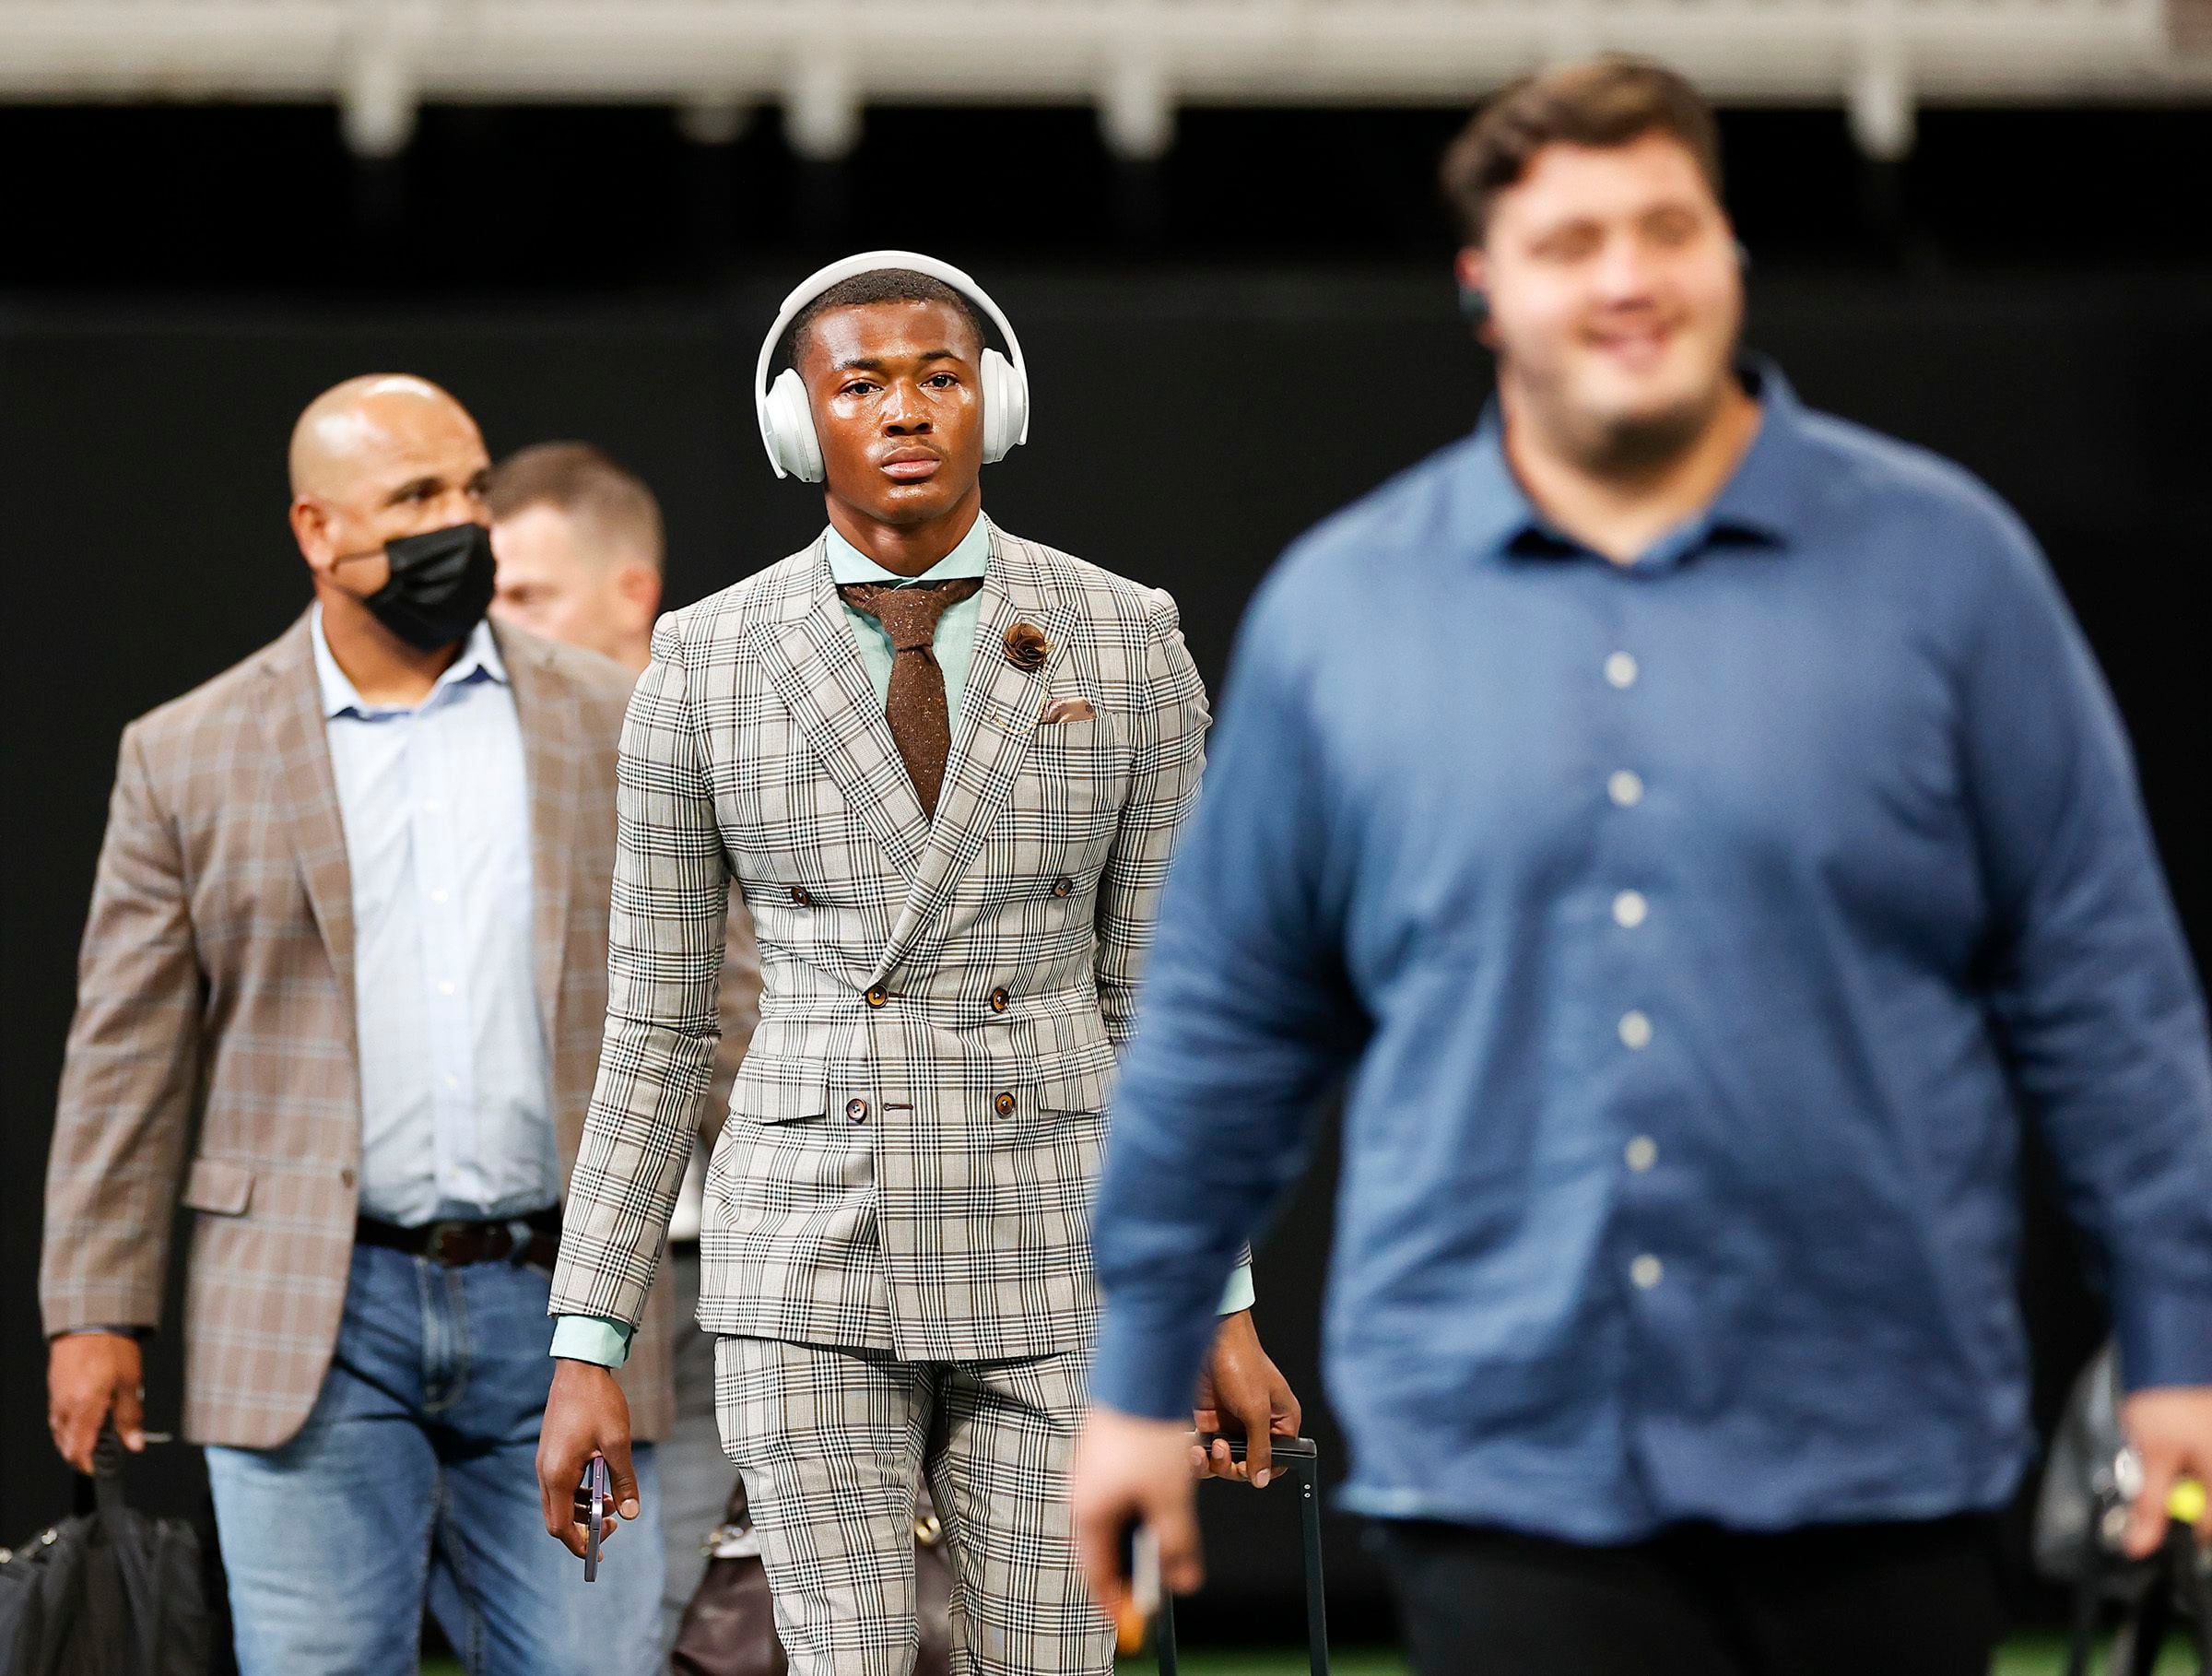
(1765, 498)
(970, 557)
(1773, 487)
(479, 660)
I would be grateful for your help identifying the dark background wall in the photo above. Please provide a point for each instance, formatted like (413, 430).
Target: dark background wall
(1225, 348)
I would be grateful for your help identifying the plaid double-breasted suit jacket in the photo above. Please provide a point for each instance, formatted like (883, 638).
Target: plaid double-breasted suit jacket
(212, 1057)
(914, 1136)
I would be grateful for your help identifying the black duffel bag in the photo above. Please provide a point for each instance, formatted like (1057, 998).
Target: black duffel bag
(114, 1592)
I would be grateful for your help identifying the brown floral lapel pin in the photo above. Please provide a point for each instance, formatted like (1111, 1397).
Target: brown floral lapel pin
(1027, 647)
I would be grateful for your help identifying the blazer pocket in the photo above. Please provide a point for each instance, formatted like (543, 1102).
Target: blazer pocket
(1079, 1093)
(219, 1187)
(764, 1095)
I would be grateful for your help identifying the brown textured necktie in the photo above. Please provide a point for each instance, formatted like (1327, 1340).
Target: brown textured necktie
(921, 722)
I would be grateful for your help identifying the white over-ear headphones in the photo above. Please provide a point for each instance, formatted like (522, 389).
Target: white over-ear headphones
(786, 419)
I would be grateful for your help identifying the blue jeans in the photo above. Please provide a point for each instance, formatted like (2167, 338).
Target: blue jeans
(415, 1482)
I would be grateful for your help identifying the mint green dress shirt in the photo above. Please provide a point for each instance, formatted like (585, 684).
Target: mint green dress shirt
(954, 643)
(598, 1338)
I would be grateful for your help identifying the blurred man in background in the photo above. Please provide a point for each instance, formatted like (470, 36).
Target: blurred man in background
(580, 548)
(578, 543)
(342, 990)
(1701, 828)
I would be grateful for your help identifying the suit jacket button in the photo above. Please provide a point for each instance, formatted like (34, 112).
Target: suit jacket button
(999, 998)
(878, 996)
(1004, 1105)
(1064, 887)
(857, 1110)
(800, 898)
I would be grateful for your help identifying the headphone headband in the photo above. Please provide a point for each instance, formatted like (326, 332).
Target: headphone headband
(871, 262)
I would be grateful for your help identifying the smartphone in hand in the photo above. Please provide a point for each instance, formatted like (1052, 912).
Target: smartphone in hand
(592, 1508)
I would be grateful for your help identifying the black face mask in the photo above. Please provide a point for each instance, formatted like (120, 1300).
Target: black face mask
(440, 587)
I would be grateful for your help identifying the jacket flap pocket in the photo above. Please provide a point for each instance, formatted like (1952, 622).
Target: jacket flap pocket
(219, 1187)
(780, 1093)
(1075, 1091)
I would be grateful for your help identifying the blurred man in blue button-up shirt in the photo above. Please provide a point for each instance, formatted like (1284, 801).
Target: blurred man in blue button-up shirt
(1698, 829)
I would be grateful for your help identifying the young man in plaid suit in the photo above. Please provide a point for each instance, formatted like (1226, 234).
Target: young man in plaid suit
(341, 993)
(946, 767)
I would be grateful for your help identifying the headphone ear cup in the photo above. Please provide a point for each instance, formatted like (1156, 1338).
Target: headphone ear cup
(791, 424)
(1005, 407)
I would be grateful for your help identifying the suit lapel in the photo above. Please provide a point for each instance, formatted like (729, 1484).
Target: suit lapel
(305, 794)
(811, 657)
(997, 721)
(552, 732)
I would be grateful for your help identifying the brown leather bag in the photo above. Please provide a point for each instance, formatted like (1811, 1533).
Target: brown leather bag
(729, 1629)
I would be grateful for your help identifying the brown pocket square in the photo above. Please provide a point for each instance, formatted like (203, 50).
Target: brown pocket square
(1066, 710)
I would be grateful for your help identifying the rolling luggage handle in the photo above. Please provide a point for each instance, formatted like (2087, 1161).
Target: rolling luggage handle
(1297, 1456)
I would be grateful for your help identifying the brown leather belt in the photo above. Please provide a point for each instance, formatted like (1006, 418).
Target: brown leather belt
(534, 1239)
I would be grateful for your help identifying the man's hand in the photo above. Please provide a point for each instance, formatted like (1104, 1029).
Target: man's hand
(586, 1414)
(2170, 1428)
(1129, 1472)
(1241, 1383)
(88, 1377)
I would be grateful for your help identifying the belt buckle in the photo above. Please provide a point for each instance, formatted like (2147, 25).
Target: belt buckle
(439, 1243)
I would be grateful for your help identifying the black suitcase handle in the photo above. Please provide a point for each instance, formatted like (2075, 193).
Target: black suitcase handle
(1297, 1456)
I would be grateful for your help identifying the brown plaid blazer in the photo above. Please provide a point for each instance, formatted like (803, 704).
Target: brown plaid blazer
(212, 1056)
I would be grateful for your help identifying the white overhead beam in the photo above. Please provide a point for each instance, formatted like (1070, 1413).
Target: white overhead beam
(1879, 105)
(1135, 112)
(1134, 60)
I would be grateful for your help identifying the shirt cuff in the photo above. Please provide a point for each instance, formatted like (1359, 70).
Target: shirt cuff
(591, 1338)
(2165, 1338)
(1240, 1292)
(1147, 1361)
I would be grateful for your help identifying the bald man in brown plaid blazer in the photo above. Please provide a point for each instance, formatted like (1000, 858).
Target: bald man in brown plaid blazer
(222, 1058)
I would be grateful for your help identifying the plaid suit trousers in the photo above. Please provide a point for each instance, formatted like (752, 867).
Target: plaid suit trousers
(832, 1444)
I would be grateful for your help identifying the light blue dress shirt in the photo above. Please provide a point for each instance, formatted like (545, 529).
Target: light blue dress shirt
(456, 1110)
(1698, 935)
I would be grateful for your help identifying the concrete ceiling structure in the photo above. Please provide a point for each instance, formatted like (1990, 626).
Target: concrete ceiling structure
(715, 62)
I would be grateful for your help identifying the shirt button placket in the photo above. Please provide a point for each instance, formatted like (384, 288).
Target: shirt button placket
(1630, 909)
(453, 1163)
